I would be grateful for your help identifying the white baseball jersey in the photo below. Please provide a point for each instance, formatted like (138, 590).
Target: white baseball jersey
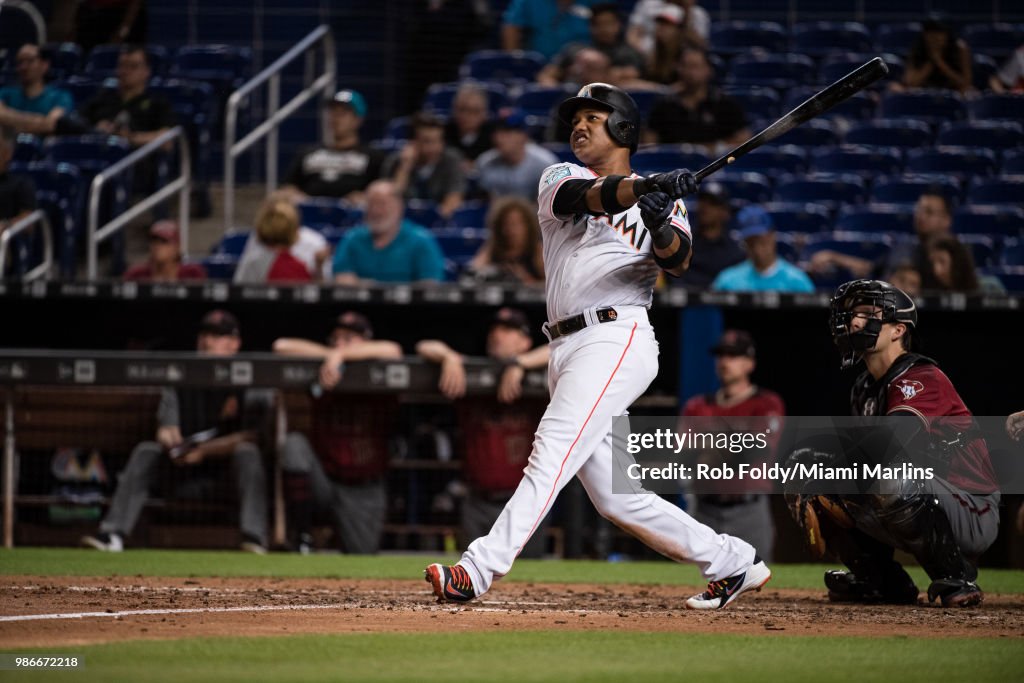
(595, 261)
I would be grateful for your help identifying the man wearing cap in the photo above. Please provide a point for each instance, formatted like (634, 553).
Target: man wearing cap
(342, 168)
(694, 19)
(164, 262)
(763, 271)
(340, 467)
(749, 409)
(516, 163)
(204, 431)
(711, 238)
(496, 432)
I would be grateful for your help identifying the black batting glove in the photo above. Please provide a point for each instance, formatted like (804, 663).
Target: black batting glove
(676, 184)
(655, 209)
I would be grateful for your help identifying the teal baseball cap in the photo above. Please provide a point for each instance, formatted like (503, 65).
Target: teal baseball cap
(351, 98)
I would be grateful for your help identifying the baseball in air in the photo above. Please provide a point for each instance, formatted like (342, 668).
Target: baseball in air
(730, 160)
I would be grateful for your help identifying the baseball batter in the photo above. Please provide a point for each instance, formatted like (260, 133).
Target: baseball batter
(606, 233)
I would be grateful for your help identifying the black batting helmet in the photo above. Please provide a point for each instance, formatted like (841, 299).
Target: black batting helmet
(895, 304)
(624, 116)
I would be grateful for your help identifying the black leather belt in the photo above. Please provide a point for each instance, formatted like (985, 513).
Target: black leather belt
(578, 322)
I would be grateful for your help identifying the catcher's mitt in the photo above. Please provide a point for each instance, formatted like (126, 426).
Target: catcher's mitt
(806, 510)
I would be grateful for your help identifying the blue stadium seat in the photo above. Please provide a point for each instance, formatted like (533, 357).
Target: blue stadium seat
(1013, 163)
(868, 246)
(773, 160)
(818, 132)
(540, 100)
(995, 135)
(423, 212)
(64, 188)
(933, 106)
(84, 88)
(331, 233)
(756, 102)
(65, 59)
(901, 133)
(661, 158)
(822, 37)
(1013, 252)
(1006, 107)
(1001, 190)
(772, 70)
(232, 243)
(896, 37)
(223, 66)
(787, 245)
(470, 215)
(997, 221)
(220, 266)
(907, 188)
(958, 161)
(1012, 277)
(746, 186)
(983, 249)
(890, 219)
(329, 211)
(102, 60)
(982, 69)
(836, 66)
(828, 189)
(502, 65)
(398, 128)
(92, 153)
(995, 40)
(645, 100)
(867, 161)
(799, 217)
(460, 244)
(735, 37)
(859, 107)
(27, 147)
(440, 95)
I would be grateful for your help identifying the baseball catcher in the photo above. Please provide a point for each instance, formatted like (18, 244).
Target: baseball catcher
(944, 522)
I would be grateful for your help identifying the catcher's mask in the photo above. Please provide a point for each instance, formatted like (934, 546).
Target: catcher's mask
(895, 305)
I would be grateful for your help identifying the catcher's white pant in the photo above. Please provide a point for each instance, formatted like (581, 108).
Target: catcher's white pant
(594, 375)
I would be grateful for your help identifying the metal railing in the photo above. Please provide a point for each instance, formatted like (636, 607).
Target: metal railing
(277, 112)
(37, 216)
(182, 185)
(33, 14)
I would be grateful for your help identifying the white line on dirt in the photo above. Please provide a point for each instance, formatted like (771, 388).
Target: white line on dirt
(194, 610)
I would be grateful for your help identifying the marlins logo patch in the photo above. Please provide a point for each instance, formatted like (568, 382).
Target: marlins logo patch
(909, 388)
(556, 173)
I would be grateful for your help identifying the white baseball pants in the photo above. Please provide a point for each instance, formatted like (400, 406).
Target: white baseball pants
(594, 375)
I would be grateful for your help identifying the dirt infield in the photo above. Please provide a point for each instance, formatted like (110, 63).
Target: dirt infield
(118, 608)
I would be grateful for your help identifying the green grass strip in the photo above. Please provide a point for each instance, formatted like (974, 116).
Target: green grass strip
(549, 656)
(188, 563)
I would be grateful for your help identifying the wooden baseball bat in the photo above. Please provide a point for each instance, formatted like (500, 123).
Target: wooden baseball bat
(820, 102)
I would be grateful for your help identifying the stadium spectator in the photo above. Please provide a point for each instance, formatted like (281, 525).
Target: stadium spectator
(130, 111)
(32, 106)
(311, 248)
(545, 25)
(953, 269)
(696, 111)
(387, 248)
(164, 262)
(711, 239)
(695, 22)
(340, 467)
(17, 192)
(661, 62)
(516, 163)
(748, 408)
(205, 432)
(425, 169)
(938, 59)
(513, 252)
(1010, 77)
(606, 37)
(271, 258)
(469, 129)
(110, 21)
(906, 277)
(763, 270)
(344, 166)
(496, 432)
(933, 219)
